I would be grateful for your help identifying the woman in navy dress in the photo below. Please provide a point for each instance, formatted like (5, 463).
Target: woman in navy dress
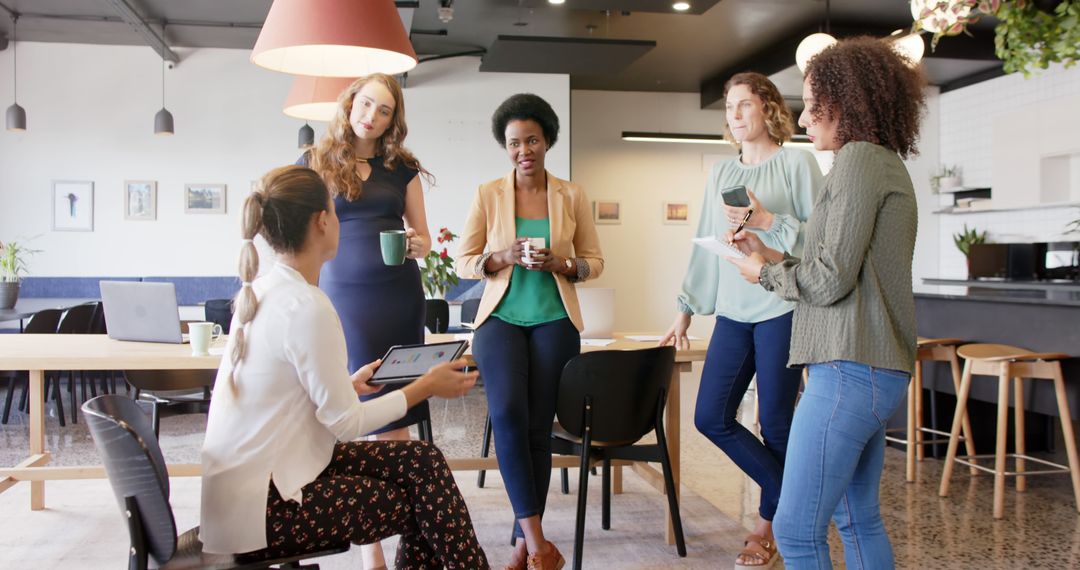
(375, 183)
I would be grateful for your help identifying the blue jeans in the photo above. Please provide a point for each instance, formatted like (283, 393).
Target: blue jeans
(736, 352)
(834, 462)
(521, 367)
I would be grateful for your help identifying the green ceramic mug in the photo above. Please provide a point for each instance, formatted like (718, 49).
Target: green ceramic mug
(392, 243)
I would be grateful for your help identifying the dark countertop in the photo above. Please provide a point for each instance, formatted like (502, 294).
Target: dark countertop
(1067, 296)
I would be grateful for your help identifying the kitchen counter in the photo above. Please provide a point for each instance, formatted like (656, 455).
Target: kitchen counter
(1019, 292)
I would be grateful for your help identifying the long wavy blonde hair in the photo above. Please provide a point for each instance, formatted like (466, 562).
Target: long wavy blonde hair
(334, 158)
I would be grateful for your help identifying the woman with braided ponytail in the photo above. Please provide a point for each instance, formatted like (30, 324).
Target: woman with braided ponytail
(281, 474)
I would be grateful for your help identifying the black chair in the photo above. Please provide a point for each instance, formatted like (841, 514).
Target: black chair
(609, 400)
(469, 308)
(136, 471)
(43, 322)
(159, 388)
(219, 311)
(438, 315)
(76, 320)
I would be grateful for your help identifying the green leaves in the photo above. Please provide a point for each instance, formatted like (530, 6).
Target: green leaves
(965, 239)
(437, 272)
(13, 261)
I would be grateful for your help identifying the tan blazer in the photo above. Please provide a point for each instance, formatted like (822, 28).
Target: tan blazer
(491, 227)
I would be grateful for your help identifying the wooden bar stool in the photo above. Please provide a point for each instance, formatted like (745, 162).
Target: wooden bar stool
(929, 350)
(1010, 363)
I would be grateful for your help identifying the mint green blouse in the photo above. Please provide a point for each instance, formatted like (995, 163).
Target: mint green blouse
(533, 297)
(787, 184)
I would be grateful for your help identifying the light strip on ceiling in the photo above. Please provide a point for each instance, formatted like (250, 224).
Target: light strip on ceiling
(797, 141)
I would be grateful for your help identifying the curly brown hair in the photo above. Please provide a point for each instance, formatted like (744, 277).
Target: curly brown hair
(874, 93)
(334, 158)
(779, 121)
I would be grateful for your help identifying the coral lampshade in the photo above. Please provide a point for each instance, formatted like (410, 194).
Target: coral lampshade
(315, 98)
(334, 38)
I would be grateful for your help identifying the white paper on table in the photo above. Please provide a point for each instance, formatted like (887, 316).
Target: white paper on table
(216, 351)
(719, 247)
(463, 336)
(653, 337)
(596, 341)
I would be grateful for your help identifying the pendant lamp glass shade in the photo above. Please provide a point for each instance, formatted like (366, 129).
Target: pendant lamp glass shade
(334, 38)
(306, 137)
(910, 46)
(16, 118)
(315, 98)
(163, 122)
(811, 46)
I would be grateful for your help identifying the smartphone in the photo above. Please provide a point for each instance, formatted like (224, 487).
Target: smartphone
(736, 196)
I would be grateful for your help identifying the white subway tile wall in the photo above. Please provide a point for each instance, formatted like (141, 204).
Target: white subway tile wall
(966, 137)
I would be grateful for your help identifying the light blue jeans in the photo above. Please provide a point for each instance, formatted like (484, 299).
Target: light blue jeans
(833, 468)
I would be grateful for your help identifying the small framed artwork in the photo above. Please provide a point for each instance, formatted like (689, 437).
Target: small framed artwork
(73, 206)
(140, 200)
(607, 212)
(204, 198)
(677, 213)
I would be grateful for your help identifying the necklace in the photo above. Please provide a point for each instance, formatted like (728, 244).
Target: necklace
(363, 160)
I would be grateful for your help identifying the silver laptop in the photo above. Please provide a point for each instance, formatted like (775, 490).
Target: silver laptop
(597, 311)
(140, 311)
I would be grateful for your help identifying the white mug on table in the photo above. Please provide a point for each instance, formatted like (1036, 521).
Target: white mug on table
(201, 334)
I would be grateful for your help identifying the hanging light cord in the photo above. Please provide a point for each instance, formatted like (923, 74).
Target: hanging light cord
(828, 16)
(163, 24)
(15, 56)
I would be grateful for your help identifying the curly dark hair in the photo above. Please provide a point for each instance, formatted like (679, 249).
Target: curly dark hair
(875, 93)
(521, 107)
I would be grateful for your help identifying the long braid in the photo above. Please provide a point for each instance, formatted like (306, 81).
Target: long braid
(246, 302)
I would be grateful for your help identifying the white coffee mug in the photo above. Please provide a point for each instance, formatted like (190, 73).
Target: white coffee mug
(529, 247)
(201, 334)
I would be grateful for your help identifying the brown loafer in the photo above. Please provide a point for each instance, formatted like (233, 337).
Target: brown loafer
(548, 558)
(519, 559)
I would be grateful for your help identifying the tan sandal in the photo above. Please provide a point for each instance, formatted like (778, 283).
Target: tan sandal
(758, 554)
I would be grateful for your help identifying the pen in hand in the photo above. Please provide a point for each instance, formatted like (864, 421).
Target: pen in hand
(742, 224)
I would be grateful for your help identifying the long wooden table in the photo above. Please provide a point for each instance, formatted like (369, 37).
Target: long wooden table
(38, 353)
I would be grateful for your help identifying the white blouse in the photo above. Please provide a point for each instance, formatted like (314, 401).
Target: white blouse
(294, 402)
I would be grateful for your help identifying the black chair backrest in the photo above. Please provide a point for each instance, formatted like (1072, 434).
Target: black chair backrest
(77, 319)
(97, 319)
(44, 322)
(219, 311)
(624, 386)
(438, 315)
(135, 467)
(469, 308)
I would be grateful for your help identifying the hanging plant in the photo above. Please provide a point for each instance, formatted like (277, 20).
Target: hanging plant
(1030, 34)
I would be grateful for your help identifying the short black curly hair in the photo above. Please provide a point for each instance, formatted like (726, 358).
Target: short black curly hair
(521, 107)
(875, 94)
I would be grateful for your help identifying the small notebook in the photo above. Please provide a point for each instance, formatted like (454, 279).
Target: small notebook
(719, 247)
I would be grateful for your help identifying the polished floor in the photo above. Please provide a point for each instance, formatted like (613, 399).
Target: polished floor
(1041, 528)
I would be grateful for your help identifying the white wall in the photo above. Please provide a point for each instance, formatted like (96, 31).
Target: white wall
(968, 139)
(90, 115)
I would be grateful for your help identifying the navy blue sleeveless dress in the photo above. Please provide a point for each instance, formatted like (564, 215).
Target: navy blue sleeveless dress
(379, 305)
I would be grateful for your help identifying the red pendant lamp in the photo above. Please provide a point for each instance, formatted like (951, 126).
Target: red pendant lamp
(315, 98)
(334, 38)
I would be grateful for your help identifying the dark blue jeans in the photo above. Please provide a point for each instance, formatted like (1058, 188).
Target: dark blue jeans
(521, 367)
(736, 352)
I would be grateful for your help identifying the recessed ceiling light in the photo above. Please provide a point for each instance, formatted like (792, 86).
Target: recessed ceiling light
(556, 1)
(681, 6)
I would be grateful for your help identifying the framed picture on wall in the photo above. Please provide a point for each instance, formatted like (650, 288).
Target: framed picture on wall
(140, 200)
(607, 212)
(73, 206)
(204, 198)
(677, 213)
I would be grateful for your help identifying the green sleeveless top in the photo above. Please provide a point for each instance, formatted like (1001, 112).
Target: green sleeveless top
(533, 297)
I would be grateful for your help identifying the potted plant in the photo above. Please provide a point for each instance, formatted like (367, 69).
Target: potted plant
(12, 264)
(967, 238)
(946, 178)
(437, 272)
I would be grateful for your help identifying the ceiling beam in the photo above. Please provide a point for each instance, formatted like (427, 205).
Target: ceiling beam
(781, 54)
(149, 35)
(977, 77)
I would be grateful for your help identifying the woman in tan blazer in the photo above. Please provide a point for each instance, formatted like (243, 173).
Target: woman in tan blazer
(531, 236)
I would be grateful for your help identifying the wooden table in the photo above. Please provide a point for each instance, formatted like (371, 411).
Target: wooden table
(38, 353)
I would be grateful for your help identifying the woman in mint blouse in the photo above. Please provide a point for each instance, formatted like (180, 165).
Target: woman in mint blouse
(753, 327)
(528, 321)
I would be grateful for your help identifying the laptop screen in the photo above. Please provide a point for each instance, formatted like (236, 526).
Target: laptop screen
(141, 311)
